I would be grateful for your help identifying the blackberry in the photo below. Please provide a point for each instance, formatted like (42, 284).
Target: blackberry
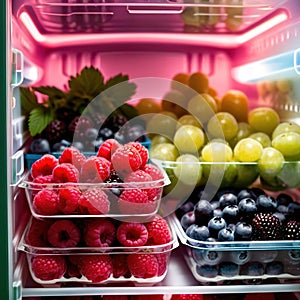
(55, 131)
(292, 230)
(116, 121)
(266, 227)
(113, 177)
(79, 125)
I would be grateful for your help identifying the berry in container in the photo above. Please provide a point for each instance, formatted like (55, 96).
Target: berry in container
(98, 251)
(119, 181)
(245, 234)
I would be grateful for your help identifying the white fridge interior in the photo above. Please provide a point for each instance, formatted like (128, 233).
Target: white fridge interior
(53, 40)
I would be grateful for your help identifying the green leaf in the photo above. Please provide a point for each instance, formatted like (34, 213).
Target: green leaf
(128, 111)
(28, 100)
(115, 80)
(87, 84)
(38, 120)
(50, 91)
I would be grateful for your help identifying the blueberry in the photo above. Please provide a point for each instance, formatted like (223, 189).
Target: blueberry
(215, 225)
(265, 256)
(243, 231)
(284, 199)
(247, 207)
(203, 212)
(227, 199)
(207, 271)
(215, 204)
(97, 143)
(274, 268)
(120, 137)
(40, 146)
(231, 213)
(78, 145)
(184, 208)
(226, 234)
(294, 210)
(280, 216)
(187, 219)
(228, 269)
(244, 193)
(282, 209)
(266, 203)
(199, 233)
(135, 132)
(240, 257)
(252, 269)
(91, 134)
(257, 192)
(218, 212)
(211, 257)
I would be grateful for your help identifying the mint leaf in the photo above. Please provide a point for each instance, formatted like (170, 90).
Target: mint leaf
(38, 120)
(28, 100)
(87, 84)
(50, 91)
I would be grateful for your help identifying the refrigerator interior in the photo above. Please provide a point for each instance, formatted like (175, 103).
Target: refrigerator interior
(50, 40)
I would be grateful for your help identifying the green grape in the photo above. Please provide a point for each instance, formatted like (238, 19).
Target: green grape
(189, 139)
(263, 119)
(188, 120)
(188, 169)
(285, 127)
(270, 162)
(244, 130)
(246, 175)
(287, 143)
(247, 150)
(223, 125)
(262, 138)
(159, 139)
(289, 175)
(216, 152)
(164, 151)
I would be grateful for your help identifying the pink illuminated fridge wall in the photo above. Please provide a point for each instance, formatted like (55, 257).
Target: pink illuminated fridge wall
(247, 45)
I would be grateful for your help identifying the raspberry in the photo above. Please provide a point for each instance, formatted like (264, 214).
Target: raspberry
(120, 267)
(39, 183)
(63, 234)
(94, 201)
(147, 297)
(107, 148)
(132, 234)
(142, 150)
(292, 230)
(126, 159)
(95, 169)
(138, 176)
(135, 201)
(65, 172)
(73, 156)
(159, 231)
(112, 297)
(45, 202)
(266, 227)
(96, 268)
(48, 267)
(44, 165)
(162, 259)
(142, 265)
(100, 233)
(187, 297)
(37, 233)
(153, 171)
(68, 199)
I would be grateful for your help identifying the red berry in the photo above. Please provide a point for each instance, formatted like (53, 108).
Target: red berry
(68, 199)
(96, 268)
(126, 159)
(65, 172)
(48, 267)
(100, 233)
(132, 234)
(135, 201)
(107, 148)
(45, 202)
(162, 259)
(37, 233)
(142, 150)
(73, 156)
(159, 231)
(63, 234)
(39, 183)
(138, 176)
(142, 265)
(94, 201)
(112, 297)
(147, 297)
(187, 297)
(120, 267)
(95, 169)
(153, 171)
(44, 166)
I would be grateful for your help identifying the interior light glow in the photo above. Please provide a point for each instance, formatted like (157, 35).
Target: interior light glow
(297, 61)
(226, 40)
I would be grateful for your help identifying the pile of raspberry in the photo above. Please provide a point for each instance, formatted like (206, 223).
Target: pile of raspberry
(130, 260)
(73, 183)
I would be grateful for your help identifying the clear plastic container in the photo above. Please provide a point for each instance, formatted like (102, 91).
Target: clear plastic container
(72, 258)
(247, 261)
(113, 207)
